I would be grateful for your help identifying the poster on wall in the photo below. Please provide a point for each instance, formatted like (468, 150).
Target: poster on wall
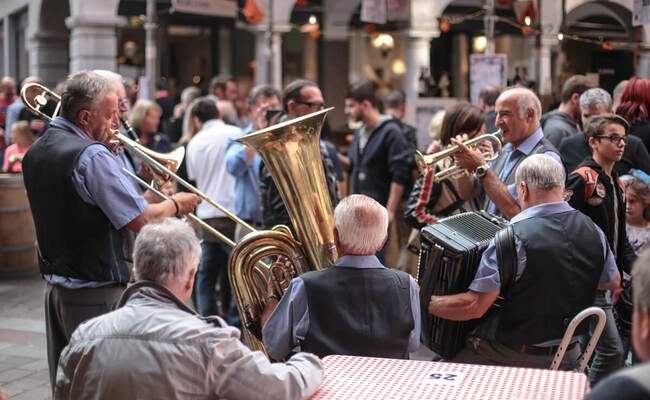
(486, 70)
(641, 12)
(373, 11)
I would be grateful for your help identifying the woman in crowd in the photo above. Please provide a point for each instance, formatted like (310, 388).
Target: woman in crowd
(429, 200)
(21, 137)
(189, 133)
(637, 214)
(634, 107)
(145, 118)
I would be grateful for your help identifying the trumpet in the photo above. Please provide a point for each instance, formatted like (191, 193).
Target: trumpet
(445, 157)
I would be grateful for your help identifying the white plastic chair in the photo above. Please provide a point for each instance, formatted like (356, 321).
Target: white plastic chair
(584, 359)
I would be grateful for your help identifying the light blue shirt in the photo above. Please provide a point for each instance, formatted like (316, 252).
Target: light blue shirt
(13, 111)
(99, 180)
(247, 179)
(487, 279)
(289, 322)
(524, 150)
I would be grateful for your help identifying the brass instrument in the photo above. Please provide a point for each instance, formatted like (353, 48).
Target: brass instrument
(445, 158)
(291, 152)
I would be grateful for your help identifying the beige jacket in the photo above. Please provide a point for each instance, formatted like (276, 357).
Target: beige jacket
(155, 347)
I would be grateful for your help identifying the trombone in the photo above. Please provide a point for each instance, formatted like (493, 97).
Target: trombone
(425, 162)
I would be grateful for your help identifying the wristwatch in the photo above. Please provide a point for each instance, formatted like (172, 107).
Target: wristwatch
(481, 170)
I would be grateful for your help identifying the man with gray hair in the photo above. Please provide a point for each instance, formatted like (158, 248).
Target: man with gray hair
(632, 383)
(358, 306)
(562, 257)
(518, 112)
(574, 149)
(82, 203)
(154, 346)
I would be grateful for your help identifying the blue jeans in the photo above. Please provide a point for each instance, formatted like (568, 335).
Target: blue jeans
(213, 269)
(608, 355)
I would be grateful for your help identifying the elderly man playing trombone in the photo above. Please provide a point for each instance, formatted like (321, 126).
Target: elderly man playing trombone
(81, 202)
(155, 347)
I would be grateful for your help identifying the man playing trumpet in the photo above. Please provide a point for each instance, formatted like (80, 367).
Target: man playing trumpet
(81, 201)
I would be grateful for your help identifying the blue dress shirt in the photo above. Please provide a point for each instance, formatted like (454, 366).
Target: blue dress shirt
(289, 322)
(247, 179)
(487, 279)
(524, 149)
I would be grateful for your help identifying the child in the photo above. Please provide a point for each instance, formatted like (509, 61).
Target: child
(637, 214)
(21, 137)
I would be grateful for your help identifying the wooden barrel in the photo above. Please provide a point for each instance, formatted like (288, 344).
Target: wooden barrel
(18, 257)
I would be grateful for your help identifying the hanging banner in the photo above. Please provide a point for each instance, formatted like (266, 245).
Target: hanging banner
(641, 12)
(217, 8)
(484, 71)
(399, 10)
(373, 11)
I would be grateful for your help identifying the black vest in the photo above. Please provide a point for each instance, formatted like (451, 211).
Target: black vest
(541, 147)
(355, 311)
(564, 261)
(75, 239)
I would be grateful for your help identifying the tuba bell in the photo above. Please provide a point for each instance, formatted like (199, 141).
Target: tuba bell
(291, 152)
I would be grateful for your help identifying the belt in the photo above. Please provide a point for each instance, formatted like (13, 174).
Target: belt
(537, 350)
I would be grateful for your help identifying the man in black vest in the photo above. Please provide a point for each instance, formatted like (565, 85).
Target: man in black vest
(358, 306)
(562, 258)
(81, 201)
(518, 112)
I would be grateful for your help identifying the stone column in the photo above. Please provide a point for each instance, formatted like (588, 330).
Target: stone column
(48, 56)
(460, 67)
(334, 75)
(93, 42)
(357, 54)
(261, 59)
(418, 54)
(545, 84)
(225, 50)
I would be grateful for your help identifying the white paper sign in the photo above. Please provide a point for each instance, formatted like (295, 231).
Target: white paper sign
(373, 11)
(218, 8)
(486, 70)
(641, 14)
(445, 378)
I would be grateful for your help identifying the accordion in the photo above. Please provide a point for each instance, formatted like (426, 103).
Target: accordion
(450, 254)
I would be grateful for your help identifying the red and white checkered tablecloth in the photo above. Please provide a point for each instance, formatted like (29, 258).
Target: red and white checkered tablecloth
(348, 377)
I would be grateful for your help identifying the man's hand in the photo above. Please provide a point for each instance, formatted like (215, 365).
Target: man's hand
(434, 147)
(187, 202)
(467, 158)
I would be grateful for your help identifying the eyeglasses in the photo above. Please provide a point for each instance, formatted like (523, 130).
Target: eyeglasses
(613, 138)
(122, 104)
(311, 104)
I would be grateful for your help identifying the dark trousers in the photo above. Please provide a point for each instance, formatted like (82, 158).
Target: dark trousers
(484, 352)
(66, 308)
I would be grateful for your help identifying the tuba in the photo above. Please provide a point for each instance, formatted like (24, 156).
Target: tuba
(291, 152)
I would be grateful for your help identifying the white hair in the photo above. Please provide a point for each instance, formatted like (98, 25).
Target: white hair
(541, 172)
(596, 97)
(362, 224)
(526, 100)
(641, 280)
(165, 251)
(110, 75)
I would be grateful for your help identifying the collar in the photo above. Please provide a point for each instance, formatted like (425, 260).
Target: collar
(63, 123)
(527, 146)
(209, 124)
(153, 289)
(541, 210)
(354, 261)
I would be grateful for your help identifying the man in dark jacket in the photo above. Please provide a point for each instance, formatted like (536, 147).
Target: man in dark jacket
(595, 189)
(563, 122)
(379, 153)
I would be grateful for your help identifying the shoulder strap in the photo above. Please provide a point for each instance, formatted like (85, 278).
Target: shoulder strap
(506, 257)
(590, 176)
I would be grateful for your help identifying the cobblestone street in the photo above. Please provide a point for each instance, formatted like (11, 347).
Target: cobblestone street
(23, 357)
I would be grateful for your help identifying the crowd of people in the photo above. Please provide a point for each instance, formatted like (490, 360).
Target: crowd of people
(118, 323)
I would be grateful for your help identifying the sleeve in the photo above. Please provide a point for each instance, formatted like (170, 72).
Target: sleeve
(487, 278)
(236, 159)
(414, 336)
(99, 180)
(5, 162)
(576, 187)
(288, 323)
(398, 156)
(239, 373)
(610, 270)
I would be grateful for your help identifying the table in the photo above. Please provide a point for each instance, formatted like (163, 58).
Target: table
(349, 377)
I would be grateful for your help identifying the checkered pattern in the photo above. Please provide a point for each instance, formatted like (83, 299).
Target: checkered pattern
(348, 377)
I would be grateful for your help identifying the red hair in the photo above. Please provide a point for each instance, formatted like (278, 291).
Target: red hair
(635, 100)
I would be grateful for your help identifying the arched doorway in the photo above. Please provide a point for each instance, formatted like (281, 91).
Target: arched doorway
(48, 40)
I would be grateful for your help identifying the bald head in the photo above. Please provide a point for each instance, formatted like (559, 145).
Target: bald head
(518, 113)
(8, 86)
